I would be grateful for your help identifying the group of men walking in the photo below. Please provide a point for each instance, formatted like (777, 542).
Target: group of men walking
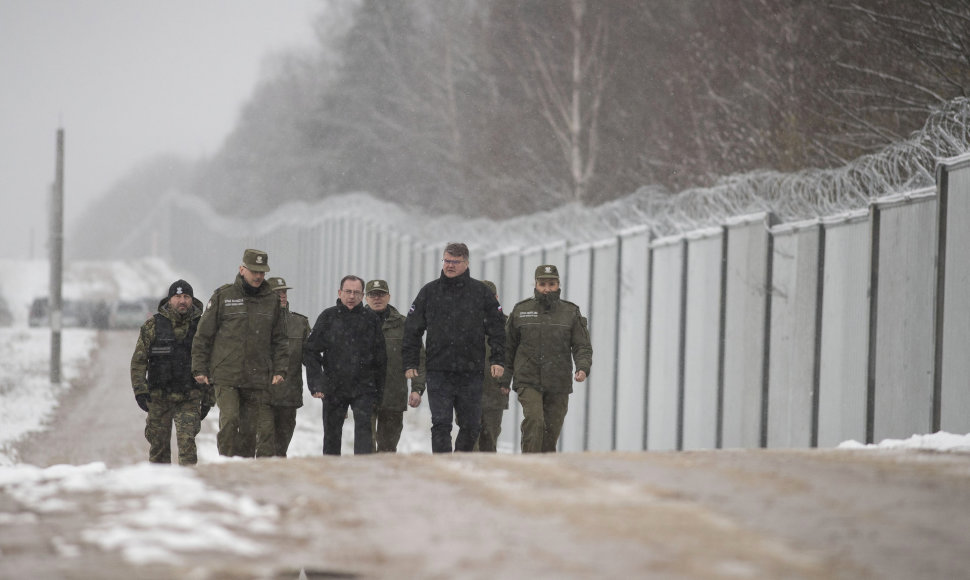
(244, 352)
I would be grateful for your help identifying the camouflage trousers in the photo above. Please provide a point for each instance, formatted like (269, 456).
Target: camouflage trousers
(491, 429)
(543, 414)
(245, 422)
(162, 413)
(387, 425)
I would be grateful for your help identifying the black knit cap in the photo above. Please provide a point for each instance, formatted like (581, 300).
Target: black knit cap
(180, 287)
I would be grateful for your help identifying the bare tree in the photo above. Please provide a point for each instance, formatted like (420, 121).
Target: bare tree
(569, 87)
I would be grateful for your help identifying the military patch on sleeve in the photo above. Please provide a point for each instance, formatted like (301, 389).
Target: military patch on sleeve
(209, 305)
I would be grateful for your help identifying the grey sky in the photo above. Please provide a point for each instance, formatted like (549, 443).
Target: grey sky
(127, 81)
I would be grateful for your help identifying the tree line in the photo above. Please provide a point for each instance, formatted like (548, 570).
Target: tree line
(506, 107)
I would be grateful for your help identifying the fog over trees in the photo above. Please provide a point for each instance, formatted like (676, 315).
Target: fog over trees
(499, 108)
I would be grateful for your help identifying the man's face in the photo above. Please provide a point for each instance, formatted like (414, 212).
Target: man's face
(180, 303)
(378, 301)
(547, 285)
(283, 300)
(453, 265)
(254, 279)
(351, 293)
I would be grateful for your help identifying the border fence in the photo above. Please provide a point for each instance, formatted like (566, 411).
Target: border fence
(751, 333)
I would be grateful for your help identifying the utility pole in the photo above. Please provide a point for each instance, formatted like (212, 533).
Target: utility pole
(57, 260)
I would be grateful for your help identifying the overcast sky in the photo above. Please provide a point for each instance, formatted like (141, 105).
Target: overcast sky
(127, 80)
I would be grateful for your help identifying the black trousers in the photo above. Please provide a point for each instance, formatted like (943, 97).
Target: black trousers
(334, 413)
(458, 396)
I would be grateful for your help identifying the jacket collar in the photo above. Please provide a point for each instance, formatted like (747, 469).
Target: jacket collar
(458, 280)
(356, 310)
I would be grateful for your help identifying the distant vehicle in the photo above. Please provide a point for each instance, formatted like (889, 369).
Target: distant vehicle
(132, 313)
(38, 315)
(74, 313)
(6, 317)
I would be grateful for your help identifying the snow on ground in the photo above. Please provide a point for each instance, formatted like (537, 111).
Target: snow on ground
(154, 511)
(27, 397)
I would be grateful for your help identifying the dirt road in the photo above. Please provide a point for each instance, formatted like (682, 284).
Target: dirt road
(712, 514)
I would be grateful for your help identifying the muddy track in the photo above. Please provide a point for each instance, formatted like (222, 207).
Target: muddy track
(704, 514)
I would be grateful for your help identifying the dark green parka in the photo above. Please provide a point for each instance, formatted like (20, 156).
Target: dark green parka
(544, 336)
(396, 385)
(289, 393)
(241, 340)
(492, 396)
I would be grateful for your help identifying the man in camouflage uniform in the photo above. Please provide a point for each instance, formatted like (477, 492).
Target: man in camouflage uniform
(240, 344)
(545, 336)
(286, 397)
(388, 421)
(161, 376)
(495, 397)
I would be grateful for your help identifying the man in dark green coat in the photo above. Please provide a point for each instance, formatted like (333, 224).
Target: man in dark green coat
(495, 397)
(161, 376)
(545, 336)
(388, 421)
(241, 348)
(286, 397)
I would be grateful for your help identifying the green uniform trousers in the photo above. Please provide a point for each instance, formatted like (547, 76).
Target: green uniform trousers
(387, 425)
(158, 429)
(284, 423)
(245, 423)
(542, 417)
(491, 429)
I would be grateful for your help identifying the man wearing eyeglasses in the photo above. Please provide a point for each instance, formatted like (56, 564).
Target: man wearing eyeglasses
(451, 309)
(346, 363)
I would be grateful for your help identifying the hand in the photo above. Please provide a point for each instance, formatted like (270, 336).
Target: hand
(411, 373)
(202, 379)
(580, 376)
(505, 390)
(497, 371)
(143, 400)
(414, 399)
(277, 379)
(203, 411)
(317, 395)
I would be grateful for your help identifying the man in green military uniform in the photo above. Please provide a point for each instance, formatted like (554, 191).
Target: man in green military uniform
(495, 397)
(240, 344)
(161, 376)
(286, 397)
(388, 422)
(545, 336)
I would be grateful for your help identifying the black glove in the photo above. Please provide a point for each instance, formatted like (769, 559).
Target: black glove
(143, 400)
(203, 411)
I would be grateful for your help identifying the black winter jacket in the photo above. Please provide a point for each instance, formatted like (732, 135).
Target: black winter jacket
(457, 313)
(345, 353)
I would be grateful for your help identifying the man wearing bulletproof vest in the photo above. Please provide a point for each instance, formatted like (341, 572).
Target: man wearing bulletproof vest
(161, 376)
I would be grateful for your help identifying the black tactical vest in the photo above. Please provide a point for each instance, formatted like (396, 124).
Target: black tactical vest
(170, 359)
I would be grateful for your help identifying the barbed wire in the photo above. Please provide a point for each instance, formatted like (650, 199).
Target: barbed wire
(807, 194)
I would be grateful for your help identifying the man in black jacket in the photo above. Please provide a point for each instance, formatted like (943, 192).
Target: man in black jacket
(346, 363)
(458, 312)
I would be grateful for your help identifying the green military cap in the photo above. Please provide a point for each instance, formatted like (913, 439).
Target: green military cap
(278, 283)
(377, 286)
(256, 260)
(491, 286)
(547, 271)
